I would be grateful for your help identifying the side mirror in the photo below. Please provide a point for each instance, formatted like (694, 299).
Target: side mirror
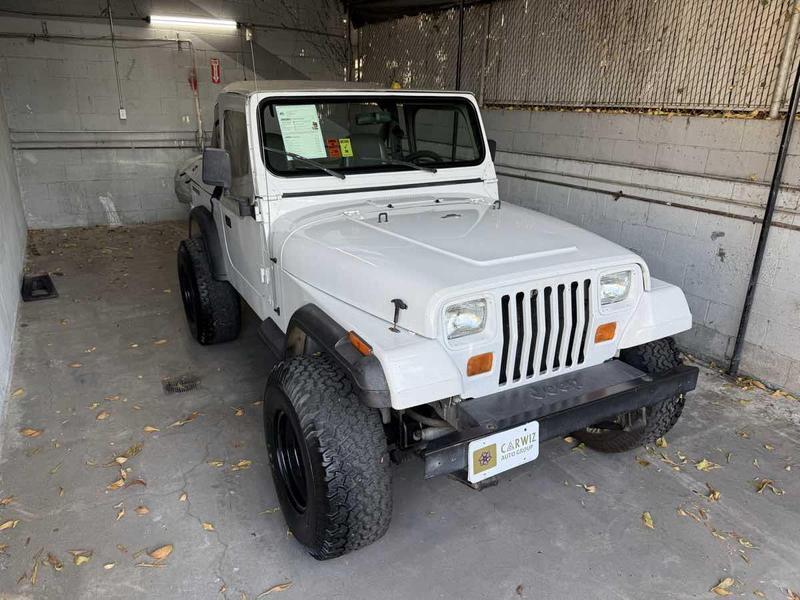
(217, 168)
(492, 149)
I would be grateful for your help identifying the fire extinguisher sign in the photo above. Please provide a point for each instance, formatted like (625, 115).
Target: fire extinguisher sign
(216, 71)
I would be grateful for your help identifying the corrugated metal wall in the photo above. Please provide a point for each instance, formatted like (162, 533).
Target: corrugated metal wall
(661, 54)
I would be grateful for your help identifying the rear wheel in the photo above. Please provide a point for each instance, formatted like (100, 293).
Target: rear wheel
(212, 307)
(639, 428)
(328, 456)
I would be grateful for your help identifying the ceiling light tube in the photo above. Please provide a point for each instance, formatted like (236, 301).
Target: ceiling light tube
(192, 22)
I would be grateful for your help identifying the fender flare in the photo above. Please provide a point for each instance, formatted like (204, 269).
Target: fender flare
(312, 330)
(201, 216)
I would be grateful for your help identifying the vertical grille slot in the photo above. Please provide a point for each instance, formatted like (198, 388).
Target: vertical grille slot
(581, 354)
(544, 330)
(520, 336)
(504, 355)
(573, 308)
(548, 293)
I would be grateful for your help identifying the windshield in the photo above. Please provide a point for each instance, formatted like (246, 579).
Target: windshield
(366, 134)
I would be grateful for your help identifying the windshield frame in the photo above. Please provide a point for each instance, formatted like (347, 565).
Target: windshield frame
(422, 99)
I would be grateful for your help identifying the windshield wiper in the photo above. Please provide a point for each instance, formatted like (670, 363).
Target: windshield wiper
(394, 161)
(314, 163)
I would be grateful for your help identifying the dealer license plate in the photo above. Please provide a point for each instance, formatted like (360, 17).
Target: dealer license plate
(502, 451)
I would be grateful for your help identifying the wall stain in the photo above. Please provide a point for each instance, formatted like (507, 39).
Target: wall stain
(717, 234)
(721, 254)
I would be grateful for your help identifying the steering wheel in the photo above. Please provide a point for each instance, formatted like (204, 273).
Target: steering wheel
(421, 155)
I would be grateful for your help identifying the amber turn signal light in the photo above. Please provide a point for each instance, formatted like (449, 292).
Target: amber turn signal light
(481, 363)
(605, 332)
(359, 344)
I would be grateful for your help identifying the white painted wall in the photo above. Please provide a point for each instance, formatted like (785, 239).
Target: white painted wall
(12, 246)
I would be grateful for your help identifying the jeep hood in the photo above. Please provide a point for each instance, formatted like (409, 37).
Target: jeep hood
(431, 252)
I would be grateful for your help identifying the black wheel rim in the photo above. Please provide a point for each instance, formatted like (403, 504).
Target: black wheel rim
(187, 293)
(289, 462)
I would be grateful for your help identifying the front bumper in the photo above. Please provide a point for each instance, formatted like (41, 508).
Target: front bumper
(561, 405)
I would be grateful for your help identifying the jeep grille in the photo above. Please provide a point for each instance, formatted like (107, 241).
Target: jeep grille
(544, 330)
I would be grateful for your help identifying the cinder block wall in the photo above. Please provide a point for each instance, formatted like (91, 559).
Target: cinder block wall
(700, 183)
(12, 246)
(78, 162)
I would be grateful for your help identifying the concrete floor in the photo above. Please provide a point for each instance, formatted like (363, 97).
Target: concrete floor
(117, 329)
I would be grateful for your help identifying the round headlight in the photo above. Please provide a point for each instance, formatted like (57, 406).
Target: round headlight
(465, 318)
(614, 287)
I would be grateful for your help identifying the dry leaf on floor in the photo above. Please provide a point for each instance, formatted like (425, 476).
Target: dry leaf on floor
(722, 588)
(52, 559)
(238, 412)
(713, 494)
(769, 447)
(115, 485)
(161, 552)
(590, 488)
(31, 432)
(183, 497)
(147, 564)
(768, 484)
(647, 519)
(281, 587)
(120, 513)
(242, 464)
(75, 365)
(108, 566)
(184, 421)
(9, 524)
(208, 526)
(746, 543)
(160, 342)
(718, 534)
(759, 594)
(705, 465)
(6, 501)
(269, 511)
(80, 557)
(3, 548)
(150, 429)
(141, 510)
(102, 415)
(792, 595)
(662, 442)
(743, 434)
(216, 463)
(643, 462)
(112, 397)
(17, 392)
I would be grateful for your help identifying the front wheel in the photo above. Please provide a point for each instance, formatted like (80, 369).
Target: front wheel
(644, 426)
(328, 456)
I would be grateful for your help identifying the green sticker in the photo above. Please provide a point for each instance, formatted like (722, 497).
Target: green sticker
(346, 147)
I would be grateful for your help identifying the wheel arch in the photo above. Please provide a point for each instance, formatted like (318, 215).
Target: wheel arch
(312, 330)
(202, 218)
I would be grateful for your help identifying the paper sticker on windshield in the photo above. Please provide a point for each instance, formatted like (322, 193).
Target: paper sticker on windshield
(346, 147)
(333, 148)
(301, 131)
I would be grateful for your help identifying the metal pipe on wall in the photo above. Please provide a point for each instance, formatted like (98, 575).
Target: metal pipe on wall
(779, 91)
(772, 200)
(122, 113)
(33, 37)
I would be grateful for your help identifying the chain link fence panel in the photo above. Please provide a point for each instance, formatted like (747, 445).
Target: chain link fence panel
(644, 54)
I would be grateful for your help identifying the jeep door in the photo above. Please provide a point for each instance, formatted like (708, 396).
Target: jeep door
(244, 236)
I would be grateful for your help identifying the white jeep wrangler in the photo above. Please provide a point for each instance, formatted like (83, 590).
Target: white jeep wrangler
(411, 308)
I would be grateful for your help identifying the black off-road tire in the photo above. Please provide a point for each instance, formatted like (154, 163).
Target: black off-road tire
(658, 356)
(212, 307)
(329, 459)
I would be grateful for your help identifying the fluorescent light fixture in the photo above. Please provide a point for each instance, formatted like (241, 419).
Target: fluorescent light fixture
(192, 22)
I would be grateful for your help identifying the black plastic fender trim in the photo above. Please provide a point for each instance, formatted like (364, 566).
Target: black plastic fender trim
(208, 230)
(328, 336)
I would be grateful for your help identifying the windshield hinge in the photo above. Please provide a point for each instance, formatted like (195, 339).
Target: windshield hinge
(353, 214)
(258, 215)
